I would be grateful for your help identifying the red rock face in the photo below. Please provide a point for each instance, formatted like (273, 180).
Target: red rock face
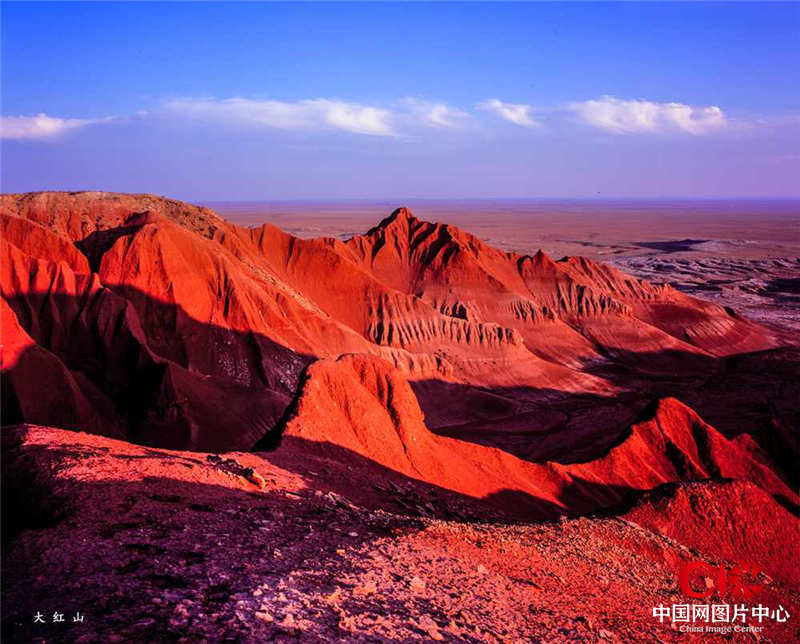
(361, 407)
(726, 521)
(159, 322)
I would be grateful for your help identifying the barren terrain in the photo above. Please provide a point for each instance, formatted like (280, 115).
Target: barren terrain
(236, 428)
(153, 545)
(743, 254)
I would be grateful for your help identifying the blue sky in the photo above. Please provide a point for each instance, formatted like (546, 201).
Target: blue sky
(278, 101)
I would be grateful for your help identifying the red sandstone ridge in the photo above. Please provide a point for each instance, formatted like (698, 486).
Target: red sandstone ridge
(361, 409)
(463, 277)
(213, 313)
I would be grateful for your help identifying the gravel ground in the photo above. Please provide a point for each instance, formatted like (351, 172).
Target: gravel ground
(153, 545)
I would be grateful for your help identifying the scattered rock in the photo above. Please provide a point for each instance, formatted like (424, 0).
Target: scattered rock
(417, 584)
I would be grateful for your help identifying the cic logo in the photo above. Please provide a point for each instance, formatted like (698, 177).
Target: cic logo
(739, 581)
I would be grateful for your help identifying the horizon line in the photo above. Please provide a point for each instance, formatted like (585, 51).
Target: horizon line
(492, 199)
(445, 199)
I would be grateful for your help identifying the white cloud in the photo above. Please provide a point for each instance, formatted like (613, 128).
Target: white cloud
(636, 116)
(40, 126)
(434, 114)
(404, 116)
(518, 114)
(300, 115)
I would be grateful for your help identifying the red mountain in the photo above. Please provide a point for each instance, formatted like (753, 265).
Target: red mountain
(161, 323)
(413, 370)
(359, 406)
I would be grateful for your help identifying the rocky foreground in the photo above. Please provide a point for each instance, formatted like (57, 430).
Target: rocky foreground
(156, 545)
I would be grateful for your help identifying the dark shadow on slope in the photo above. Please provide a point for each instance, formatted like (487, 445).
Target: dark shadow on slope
(536, 425)
(29, 502)
(756, 394)
(129, 361)
(95, 245)
(186, 384)
(123, 359)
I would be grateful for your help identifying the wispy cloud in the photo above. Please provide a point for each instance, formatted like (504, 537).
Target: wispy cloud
(41, 126)
(403, 118)
(516, 113)
(641, 116)
(434, 114)
(300, 115)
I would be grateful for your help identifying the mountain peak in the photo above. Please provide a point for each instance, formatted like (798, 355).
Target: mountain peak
(403, 214)
(400, 217)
